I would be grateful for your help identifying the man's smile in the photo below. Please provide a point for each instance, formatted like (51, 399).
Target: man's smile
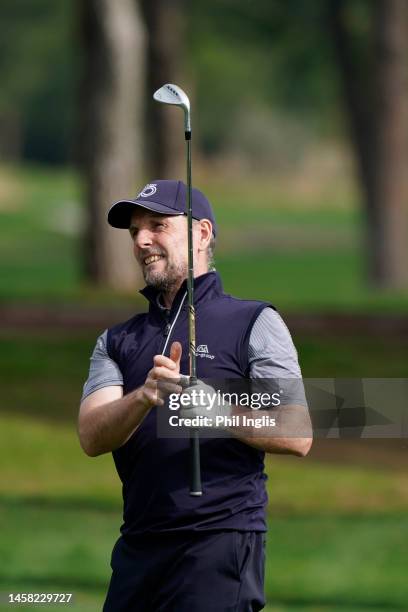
(151, 259)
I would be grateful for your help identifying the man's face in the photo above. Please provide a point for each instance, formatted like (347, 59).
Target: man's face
(160, 248)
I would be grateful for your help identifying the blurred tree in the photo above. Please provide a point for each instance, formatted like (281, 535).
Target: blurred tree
(280, 54)
(111, 130)
(373, 66)
(268, 56)
(164, 137)
(38, 66)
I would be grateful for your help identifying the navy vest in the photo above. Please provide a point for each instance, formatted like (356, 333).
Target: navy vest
(154, 471)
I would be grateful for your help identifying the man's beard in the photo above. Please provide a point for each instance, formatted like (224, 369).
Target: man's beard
(167, 279)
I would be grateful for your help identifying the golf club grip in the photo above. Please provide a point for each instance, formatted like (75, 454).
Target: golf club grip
(195, 467)
(195, 462)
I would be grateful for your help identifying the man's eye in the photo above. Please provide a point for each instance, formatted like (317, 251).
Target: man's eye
(160, 225)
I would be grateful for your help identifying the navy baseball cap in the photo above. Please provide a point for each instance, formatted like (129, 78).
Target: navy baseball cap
(164, 197)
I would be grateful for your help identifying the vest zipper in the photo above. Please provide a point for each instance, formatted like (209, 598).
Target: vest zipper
(167, 330)
(169, 327)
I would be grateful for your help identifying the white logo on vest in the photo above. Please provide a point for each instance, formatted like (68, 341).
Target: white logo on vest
(147, 191)
(202, 351)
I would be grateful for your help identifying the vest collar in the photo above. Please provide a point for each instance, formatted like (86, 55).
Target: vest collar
(206, 286)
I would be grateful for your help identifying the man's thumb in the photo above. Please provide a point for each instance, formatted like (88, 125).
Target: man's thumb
(175, 352)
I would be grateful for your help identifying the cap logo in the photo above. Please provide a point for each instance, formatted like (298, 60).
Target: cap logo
(147, 191)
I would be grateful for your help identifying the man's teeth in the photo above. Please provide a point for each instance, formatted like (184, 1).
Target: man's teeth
(151, 259)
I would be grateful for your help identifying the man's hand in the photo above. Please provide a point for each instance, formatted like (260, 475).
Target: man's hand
(202, 400)
(107, 418)
(159, 383)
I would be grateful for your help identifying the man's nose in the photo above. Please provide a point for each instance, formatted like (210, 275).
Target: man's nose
(143, 238)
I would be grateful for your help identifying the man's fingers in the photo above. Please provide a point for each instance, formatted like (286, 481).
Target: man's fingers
(172, 362)
(152, 396)
(161, 360)
(175, 353)
(167, 384)
(163, 373)
(184, 381)
(166, 388)
(161, 389)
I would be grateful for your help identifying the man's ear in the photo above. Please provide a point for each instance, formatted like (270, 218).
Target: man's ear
(205, 234)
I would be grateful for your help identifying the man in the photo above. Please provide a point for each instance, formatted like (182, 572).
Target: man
(179, 553)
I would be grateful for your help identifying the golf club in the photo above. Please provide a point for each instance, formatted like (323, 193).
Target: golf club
(172, 94)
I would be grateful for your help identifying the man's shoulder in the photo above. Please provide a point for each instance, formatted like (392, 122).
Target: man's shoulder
(241, 304)
(129, 324)
(122, 336)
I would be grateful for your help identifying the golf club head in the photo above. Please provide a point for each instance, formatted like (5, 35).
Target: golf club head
(172, 94)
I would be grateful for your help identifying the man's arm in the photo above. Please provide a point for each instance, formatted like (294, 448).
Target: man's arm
(281, 438)
(107, 418)
(273, 356)
(277, 428)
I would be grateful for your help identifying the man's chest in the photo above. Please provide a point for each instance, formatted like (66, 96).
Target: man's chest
(218, 348)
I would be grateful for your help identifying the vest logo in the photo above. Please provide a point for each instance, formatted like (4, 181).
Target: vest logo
(147, 191)
(202, 351)
(202, 348)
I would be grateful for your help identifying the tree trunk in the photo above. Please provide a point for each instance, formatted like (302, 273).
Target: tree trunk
(11, 136)
(165, 138)
(389, 228)
(111, 139)
(375, 100)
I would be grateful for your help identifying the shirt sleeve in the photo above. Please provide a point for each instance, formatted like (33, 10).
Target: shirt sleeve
(103, 371)
(273, 357)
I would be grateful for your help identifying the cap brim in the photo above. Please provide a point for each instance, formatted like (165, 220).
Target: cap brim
(120, 213)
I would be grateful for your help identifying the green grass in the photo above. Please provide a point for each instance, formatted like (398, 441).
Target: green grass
(337, 536)
(52, 547)
(312, 280)
(343, 561)
(37, 254)
(45, 372)
(297, 252)
(352, 356)
(286, 278)
(327, 562)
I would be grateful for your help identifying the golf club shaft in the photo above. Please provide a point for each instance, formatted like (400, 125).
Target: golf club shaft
(190, 276)
(195, 468)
